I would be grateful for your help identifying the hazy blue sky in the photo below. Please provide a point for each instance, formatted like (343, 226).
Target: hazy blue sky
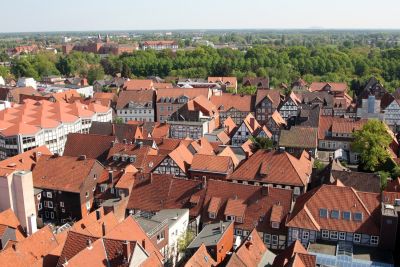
(73, 15)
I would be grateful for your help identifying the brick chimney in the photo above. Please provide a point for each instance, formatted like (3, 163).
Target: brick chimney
(103, 229)
(126, 250)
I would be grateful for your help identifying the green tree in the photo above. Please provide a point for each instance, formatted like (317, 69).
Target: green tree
(95, 73)
(261, 143)
(372, 142)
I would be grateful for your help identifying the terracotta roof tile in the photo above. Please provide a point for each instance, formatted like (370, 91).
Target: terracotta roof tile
(137, 97)
(175, 93)
(225, 102)
(235, 207)
(274, 167)
(136, 84)
(335, 87)
(25, 161)
(300, 137)
(201, 258)
(210, 163)
(287, 256)
(273, 95)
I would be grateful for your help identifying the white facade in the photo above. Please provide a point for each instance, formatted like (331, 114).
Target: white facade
(26, 82)
(136, 112)
(2, 82)
(86, 91)
(16, 193)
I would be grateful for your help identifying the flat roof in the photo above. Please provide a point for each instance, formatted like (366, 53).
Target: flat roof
(209, 235)
(322, 248)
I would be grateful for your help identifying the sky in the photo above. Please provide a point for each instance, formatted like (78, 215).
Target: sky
(91, 15)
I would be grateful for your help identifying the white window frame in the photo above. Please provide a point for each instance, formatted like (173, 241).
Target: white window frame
(246, 233)
(275, 240)
(239, 219)
(61, 204)
(50, 204)
(49, 195)
(39, 196)
(342, 236)
(51, 215)
(267, 239)
(239, 232)
(212, 215)
(306, 235)
(333, 235)
(230, 218)
(275, 225)
(325, 234)
(40, 206)
(374, 240)
(357, 238)
(295, 234)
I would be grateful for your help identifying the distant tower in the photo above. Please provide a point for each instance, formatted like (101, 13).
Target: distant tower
(107, 39)
(99, 38)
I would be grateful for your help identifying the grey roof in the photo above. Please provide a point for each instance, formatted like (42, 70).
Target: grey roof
(309, 116)
(148, 225)
(172, 215)
(209, 235)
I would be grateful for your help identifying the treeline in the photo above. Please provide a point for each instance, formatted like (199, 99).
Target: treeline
(281, 64)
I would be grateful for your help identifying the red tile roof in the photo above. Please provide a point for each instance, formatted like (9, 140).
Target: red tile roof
(274, 167)
(274, 95)
(295, 255)
(258, 202)
(210, 163)
(225, 102)
(235, 207)
(62, 172)
(25, 161)
(191, 93)
(335, 87)
(201, 258)
(138, 85)
(165, 192)
(250, 252)
(92, 145)
(142, 97)
(331, 197)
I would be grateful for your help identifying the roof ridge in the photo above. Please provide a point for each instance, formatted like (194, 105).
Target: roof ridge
(311, 217)
(359, 199)
(291, 158)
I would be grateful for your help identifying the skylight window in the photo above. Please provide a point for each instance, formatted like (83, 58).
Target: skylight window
(335, 214)
(323, 213)
(358, 216)
(346, 215)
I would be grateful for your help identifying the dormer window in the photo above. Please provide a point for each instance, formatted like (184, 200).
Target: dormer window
(346, 215)
(275, 225)
(358, 216)
(132, 159)
(239, 219)
(116, 157)
(212, 215)
(123, 158)
(230, 218)
(335, 214)
(323, 213)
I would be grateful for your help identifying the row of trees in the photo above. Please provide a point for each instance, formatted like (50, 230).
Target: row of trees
(281, 64)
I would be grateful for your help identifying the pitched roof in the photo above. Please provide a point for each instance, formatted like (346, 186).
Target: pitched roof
(232, 81)
(25, 161)
(163, 191)
(121, 131)
(62, 172)
(175, 93)
(273, 95)
(291, 254)
(182, 157)
(254, 202)
(211, 163)
(301, 137)
(201, 258)
(306, 212)
(9, 219)
(229, 125)
(225, 102)
(274, 167)
(92, 145)
(228, 152)
(250, 253)
(136, 84)
(335, 87)
(277, 118)
(137, 97)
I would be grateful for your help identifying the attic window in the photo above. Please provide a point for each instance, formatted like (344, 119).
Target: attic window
(358, 216)
(275, 225)
(132, 159)
(346, 215)
(211, 215)
(323, 213)
(116, 157)
(335, 214)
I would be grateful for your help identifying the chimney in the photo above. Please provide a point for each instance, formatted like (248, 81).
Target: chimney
(103, 229)
(126, 250)
(32, 225)
(98, 215)
(37, 155)
(144, 244)
(110, 177)
(252, 123)
(89, 243)
(204, 182)
(264, 190)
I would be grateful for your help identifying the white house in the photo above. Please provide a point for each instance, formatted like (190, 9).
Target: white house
(26, 82)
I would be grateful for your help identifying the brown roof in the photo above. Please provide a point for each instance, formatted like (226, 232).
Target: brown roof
(273, 95)
(250, 252)
(335, 87)
(228, 152)
(138, 84)
(301, 137)
(165, 192)
(141, 97)
(231, 81)
(210, 163)
(177, 92)
(274, 167)
(331, 197)
(252, 202)
(338, 125)
(295, 255)
(182, 157)
(163, 86)
(92, 145)
(225, 102)
(24, 161)
(201, 258)
(62, 172)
